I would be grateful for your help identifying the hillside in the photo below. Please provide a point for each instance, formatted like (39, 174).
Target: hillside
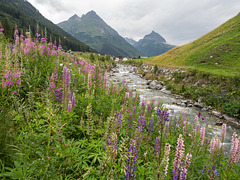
(92, 30)
(152, 44)
(217, 52)
(22, 14)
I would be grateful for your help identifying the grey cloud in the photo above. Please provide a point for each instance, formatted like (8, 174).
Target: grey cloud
(177, 21)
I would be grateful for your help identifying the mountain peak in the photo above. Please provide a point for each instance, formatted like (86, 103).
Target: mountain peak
(91, 15)
(155, 36)
(74, 17)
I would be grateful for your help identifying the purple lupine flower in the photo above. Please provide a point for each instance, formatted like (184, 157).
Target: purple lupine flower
(118, 115)
(59, 94)
(150, 126)
(187, 164)
(140, 127)
(131, 162)
(175, 177)
(216, 173)
(163, 114)
(143, 105)
(203, 170)
(66, 77)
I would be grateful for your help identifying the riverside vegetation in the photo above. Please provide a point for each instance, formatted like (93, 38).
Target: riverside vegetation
(211, 67)
(61, 119)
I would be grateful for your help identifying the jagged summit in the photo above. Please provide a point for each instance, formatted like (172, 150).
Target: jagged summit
(154, 36)
(91, 15)
(74, 17)
(152, 44)
(94, 31)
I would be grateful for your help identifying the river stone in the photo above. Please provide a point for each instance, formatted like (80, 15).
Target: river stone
(219, 123)
(217, 114)
(148, 82)
(196, 104)
(184, 101)
(204, 109)
(155, 85)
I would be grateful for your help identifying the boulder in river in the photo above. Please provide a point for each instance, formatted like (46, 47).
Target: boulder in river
(155, 85)
(199, 105)
(217, 114)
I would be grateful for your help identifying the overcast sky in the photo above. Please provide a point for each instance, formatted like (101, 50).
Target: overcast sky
(178, 21)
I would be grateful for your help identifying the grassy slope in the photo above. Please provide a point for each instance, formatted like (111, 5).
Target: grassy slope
(217, 52)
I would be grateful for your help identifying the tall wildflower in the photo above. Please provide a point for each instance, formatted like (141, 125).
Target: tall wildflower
(66, 87)
(66, 77)
(235, 149)
(157, 148)
(131, 163)
(202, 135)
(179, 153)
(89, 120)
(187, 163)
(214, 145)
(89, 85)
(166, 158)
(224, 130)
(140, 129)
(105, 79)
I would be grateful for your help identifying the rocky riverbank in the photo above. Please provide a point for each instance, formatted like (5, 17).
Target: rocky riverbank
(167, 73)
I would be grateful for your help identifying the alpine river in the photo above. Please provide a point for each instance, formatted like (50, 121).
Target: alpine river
(127, 74)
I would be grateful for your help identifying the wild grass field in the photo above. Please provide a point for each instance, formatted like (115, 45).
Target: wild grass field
(61, 119)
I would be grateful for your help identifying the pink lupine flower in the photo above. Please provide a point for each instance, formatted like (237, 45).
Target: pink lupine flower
(179, 153)
(235, 149)
(196, 119)
(1, 29)
(166, 158)
(16, 31)
(214, 145)
(183, 174)
(89, 81)
(202, 135)
(224, 129)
